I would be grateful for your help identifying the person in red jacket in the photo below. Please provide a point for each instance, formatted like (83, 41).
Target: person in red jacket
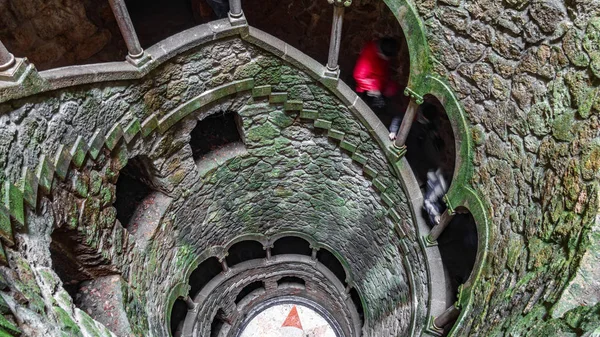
(372, 73)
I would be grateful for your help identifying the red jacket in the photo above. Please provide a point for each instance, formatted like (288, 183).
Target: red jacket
(371, 72)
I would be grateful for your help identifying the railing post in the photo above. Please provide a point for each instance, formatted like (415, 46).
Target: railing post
(448, 316)
(189, 303)
(136, 54)
(333, 69)
(439, 228)
(407, 121)
(236, 14)
(224, 265)
(11, 68)
(7, 60)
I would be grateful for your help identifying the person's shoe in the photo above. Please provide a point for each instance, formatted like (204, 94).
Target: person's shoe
(392, 136)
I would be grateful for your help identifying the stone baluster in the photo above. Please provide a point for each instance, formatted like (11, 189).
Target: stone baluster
(136, 54)
(235, 8)
(7, 60)
(12, 69)
(407, 121)
(224, 265)
(236, 14)
(336, 37)
(448, 316)
(439, 228)
(189, 303)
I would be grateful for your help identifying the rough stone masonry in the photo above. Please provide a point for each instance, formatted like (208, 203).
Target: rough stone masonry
(525, 71)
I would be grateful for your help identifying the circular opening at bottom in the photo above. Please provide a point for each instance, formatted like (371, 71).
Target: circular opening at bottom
(290, 318)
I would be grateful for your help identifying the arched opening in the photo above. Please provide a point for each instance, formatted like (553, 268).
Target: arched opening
(247, 290)
(332, 263)
(458, 245)
(245, 251)
(178, 314)
(206, 271)
(291, 245)
(430, 143)
(218, 135)
(358, 305)
(219, 326)
(291, 280)
(134, 189)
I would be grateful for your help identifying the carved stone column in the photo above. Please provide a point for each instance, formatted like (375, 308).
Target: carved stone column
(7, 60)
(333, 69)
(439, 228)
(136, 56)
(236, 14)
(408, 119)
(11, 68)
(448, 316)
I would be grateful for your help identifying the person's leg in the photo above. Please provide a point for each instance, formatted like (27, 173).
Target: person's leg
(395, 126)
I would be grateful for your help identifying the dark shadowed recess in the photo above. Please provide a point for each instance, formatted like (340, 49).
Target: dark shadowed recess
(133, 186)
(155, 20)
(249, 289)
(358, 304)
(75, 262)
(214, 132)
(458, 247)
(332, 263)
(218, 323)
(291, 245)
(178, 314)
(205, 272)
(291, 280)
(430, 144)
(245, 251)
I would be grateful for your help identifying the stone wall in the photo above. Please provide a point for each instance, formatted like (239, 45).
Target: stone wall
(527, 75)
(293, 167)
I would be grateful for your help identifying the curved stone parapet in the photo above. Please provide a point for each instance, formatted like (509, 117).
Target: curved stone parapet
(290, 114)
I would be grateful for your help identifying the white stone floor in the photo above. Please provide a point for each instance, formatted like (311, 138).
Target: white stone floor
(283, 321)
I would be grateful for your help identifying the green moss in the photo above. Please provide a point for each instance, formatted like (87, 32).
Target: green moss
(66, 323)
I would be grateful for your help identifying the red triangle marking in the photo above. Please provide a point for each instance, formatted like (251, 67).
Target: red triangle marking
(293, 320)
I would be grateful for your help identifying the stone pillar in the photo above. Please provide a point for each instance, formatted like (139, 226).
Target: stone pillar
(333, 69)
(268, 250)
(448, 316)
(7, 60)
(236, 14)
(136, 53)
(313, 254)
(407, 121)
(439, 228)
(190, 304)
(224, 265)
(12, 69)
